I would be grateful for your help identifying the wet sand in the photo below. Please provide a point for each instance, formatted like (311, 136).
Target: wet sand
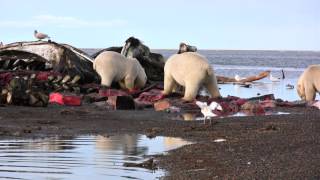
(256, 147)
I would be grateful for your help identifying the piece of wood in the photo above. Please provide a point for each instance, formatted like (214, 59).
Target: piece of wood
(223, 79)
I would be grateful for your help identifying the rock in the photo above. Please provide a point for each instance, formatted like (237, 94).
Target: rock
(93, 97)
(121, 102)
(148, 164)
(271, 127)
(152, 132)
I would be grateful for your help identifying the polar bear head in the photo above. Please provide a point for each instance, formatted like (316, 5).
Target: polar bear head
(183, 47)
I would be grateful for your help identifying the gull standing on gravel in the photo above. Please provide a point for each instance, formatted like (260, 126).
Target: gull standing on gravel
(207, 110)
(40, 35)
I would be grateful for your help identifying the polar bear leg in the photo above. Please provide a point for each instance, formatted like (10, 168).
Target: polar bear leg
(106, 79)
(310, 93)
(169, 84)
(301, 91)
(191, 91)
(212, 87)
(129, 82)
(122, 84)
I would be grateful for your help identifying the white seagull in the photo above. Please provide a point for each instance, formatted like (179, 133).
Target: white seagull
(40, 35)
(274, 79)
(238, 78)
(207, 110)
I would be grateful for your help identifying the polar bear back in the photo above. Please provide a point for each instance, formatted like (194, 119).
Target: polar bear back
(188, 66)
(116, 65)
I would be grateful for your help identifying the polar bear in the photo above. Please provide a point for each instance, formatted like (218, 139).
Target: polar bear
(114, 67)
(309, 83)
(190, 70)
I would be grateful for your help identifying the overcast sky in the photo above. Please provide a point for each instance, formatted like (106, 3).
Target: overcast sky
(208, 24)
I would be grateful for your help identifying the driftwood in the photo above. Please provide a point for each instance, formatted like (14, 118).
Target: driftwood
(223, 79)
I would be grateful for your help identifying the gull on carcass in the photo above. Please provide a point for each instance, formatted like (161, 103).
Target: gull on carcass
(40, 35)
(207, 110)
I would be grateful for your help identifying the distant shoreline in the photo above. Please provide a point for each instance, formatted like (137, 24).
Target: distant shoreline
(269, 50)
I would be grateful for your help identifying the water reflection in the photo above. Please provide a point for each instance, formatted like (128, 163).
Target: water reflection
(193, 116)
(97, 157)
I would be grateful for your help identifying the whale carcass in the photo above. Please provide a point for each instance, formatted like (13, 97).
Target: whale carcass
(42, 55)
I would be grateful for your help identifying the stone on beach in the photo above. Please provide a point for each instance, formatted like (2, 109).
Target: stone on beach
(121, 102)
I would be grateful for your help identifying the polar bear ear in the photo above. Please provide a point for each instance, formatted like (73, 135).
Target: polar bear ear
(182, 48)
(201, 104)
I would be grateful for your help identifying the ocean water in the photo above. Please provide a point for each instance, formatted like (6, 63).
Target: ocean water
(251, 62)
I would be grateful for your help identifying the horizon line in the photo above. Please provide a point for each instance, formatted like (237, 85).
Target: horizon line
(209, 49)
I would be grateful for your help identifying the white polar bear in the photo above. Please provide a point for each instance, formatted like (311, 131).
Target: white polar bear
(309, 83)
(114, 67)
(190, 70)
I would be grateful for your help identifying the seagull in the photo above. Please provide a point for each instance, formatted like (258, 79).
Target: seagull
(207, 110)
(274, 79)
(238, 78)
(290, 86)
(40, 35)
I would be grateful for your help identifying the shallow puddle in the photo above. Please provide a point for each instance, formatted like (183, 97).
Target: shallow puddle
(190, 116)
(83, 157)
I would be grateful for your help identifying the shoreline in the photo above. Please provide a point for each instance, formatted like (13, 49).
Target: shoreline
(275, 146)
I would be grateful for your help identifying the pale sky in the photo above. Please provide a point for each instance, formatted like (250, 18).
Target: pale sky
(207, 24)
